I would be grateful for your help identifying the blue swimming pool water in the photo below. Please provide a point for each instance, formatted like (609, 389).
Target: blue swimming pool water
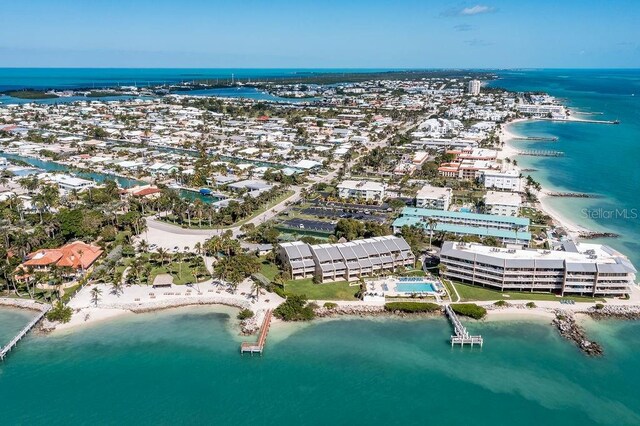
(415, 287)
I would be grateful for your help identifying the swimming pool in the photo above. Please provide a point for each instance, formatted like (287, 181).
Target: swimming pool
(418, 287)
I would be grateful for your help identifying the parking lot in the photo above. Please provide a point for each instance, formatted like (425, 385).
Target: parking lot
(311, 225)
(340, 213)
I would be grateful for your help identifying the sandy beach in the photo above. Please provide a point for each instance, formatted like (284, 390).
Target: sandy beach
(510, 151)
(139, 299)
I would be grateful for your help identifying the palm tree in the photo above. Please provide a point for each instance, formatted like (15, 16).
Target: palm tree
(256, 287)
(162, 253)
(116, 285)
(143, 246)
(95, 295)
(431, 224)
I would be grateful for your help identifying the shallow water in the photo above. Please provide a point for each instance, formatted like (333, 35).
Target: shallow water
(183, 366)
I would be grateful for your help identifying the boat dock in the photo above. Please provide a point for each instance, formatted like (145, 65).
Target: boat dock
(536, 138)
(541, 153)
(461, 336)
(7, 348)
(258, 346)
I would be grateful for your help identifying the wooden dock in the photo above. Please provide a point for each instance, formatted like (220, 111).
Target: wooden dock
(258, 346)
(461, 336)
(7, 348)
(541, 153)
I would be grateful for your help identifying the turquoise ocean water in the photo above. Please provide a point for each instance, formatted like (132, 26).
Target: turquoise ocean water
(183, 367)
(600, 159)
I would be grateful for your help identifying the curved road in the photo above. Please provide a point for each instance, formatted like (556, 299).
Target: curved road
(168, 236)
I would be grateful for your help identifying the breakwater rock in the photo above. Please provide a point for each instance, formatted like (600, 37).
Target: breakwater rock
(23, 303)
(591, 235)
(572, 195)
(630, 312)
(355, 310)
(570, 330)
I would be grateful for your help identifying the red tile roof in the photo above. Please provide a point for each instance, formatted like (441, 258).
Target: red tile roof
(146, 191)
(76, 255)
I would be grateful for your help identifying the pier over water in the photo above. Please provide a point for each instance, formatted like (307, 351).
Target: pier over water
(258, 347)
(7, 348)
(461, 336)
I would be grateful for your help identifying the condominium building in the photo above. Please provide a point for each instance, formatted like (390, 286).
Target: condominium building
(433, 197)
(474, 87)
(509, 180)
(537, 110)
(467, 169)
(346, 261)
(576, 268)
(508, 229)
(361, 189)
(502, 203)
(442, 144)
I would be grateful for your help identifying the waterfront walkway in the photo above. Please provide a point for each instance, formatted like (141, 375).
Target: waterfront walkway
(7, 348)
(461, 336)
(258, 347)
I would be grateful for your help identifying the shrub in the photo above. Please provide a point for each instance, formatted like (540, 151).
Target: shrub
(330, 305)
(411, 307)
(599, 306)
(469, 310)
(60, 313)
(295, 308)
(530, 305)
(500, 303)
(278, 290)
(245, 314)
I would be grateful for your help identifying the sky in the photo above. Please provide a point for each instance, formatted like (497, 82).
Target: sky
(320, 34)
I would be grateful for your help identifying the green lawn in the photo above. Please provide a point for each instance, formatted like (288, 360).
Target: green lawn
(182, 274)
(470, 293)
(328, 291)
(268, 269)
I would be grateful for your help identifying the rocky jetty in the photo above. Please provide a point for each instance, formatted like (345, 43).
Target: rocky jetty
(572, 195)
(250, 325)
(355, 310)
(570, 330)
(629, 312)
(591, 235)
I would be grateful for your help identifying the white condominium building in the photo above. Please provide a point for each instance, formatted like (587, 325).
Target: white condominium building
(509, 180)
(71, 183)
(474, 87)
(537, 110)
(502, 203)
(362, 189)
(346, 261)
(577, 268)
(432, 197)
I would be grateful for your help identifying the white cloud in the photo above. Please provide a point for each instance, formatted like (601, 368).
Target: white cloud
(476, 10)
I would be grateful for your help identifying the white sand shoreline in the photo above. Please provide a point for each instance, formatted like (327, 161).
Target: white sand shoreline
(561, 220)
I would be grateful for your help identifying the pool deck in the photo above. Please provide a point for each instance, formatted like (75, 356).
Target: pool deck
(387, 287)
